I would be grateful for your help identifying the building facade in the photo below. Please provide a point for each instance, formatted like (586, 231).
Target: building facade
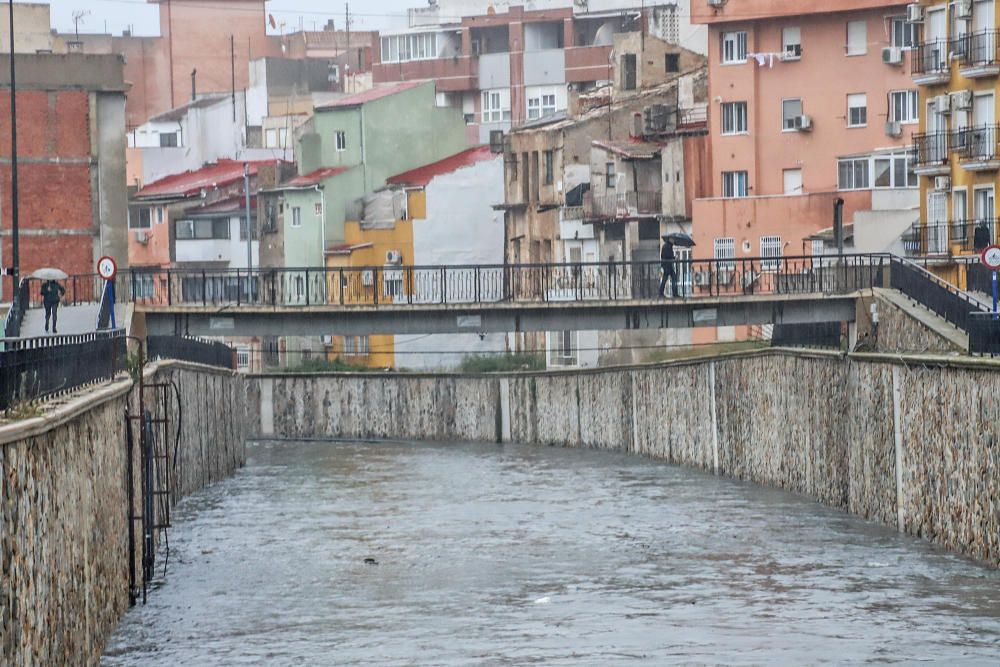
(810, 104)
(71, 162)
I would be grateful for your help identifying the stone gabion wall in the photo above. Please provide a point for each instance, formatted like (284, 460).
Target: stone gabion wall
(63, 507)
(910, 442)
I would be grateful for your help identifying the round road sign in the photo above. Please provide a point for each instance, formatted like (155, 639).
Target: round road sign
(108, 269)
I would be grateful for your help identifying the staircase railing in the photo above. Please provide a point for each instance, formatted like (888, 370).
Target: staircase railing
(937, 295)
(12, 324)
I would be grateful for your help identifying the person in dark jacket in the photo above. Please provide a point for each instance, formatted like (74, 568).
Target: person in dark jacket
(52, 293)
(669, 266)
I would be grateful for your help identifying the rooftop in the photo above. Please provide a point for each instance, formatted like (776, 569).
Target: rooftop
(421, 176)
(226, 207)
(635, 149)
(312, 178)
(177, 113)
(371, 95)
(191, 183)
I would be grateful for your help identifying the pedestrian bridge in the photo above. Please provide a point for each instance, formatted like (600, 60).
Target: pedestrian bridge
(399, 299)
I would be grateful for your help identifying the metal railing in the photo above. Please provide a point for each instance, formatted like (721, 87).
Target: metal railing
(486, 284)
(930, 57)
(937, 295)
(183, 348)
(984, 333)
(976, 143)
(34, 368)
(930, 148)
(18, 306)
(979, 48)
(947, 238)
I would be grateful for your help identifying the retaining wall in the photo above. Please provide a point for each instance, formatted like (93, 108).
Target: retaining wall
(908, 442)
(63, 506)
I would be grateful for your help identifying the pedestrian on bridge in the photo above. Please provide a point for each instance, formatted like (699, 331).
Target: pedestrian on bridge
(668, 267)
(52, 293)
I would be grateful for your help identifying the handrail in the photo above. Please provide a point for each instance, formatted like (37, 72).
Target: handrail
(12, 323)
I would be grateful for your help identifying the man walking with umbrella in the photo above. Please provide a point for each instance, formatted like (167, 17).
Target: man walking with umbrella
(52, 293)
(667, 266)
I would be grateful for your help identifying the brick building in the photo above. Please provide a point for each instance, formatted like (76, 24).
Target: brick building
(71, 161)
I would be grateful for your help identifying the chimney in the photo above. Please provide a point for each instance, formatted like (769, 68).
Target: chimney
(194, 85)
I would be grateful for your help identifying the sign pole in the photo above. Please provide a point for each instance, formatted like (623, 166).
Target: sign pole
(107, 269)
(114, 324)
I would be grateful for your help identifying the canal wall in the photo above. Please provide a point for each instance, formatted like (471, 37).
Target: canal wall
(910, 442)
(64, 547)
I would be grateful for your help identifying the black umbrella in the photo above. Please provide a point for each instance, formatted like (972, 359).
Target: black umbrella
(680, 239)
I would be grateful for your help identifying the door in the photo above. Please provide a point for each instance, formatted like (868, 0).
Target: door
(793, 181)
(985, 212)
(959, 215)
(983, 132)
(628, 71)
(937, 223)
(936, 51)
(982, 47)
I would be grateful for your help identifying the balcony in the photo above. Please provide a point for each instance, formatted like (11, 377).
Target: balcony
(622, 206)
(977, 54)
(929, 65)
(449, 74)
(947, 239)
(930, 153)
(977, 147)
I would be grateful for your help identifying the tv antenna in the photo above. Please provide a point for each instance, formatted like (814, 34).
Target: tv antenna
(78, 16)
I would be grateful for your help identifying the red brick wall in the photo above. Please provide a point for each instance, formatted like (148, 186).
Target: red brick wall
(55, 195)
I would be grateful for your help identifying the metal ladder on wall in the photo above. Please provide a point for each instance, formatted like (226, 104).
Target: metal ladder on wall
(152, 516)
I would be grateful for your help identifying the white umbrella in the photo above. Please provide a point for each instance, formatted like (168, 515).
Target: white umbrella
(50, 274)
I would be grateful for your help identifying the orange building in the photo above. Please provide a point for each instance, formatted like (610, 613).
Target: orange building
(810, 102)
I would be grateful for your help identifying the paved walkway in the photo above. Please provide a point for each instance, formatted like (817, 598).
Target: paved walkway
(72, 320)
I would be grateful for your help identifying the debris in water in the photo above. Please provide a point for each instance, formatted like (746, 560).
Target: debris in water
(371, 561)
(544, 600)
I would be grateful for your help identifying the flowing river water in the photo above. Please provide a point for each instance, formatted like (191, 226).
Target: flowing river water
(514, 555)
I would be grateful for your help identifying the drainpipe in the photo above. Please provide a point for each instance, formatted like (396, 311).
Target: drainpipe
(838, 225)
(246, 192)
(322, 221)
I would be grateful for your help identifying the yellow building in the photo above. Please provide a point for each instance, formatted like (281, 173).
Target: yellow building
(956, 65)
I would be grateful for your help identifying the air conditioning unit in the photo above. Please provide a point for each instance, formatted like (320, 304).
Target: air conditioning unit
(942, 183)
(802, 123)
(368, 278)
(914, 13)
(942, 103)
(141, 236)
(393, 257)
(963, 9)
(893, 128)
(892, 55)
(961, 99)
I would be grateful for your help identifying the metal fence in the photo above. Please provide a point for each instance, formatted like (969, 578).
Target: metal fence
(935, 294)
(455, 284)
(984, 334)
(33, 368)
(812, 334)
(210, 353)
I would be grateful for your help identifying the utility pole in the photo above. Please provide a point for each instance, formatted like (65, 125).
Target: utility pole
(347, 26)
(246, 194)
(232, 69)
(15, 264)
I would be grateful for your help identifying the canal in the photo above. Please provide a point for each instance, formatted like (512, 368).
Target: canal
(456, 554)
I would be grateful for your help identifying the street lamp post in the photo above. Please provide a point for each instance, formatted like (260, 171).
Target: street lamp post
(15, 250)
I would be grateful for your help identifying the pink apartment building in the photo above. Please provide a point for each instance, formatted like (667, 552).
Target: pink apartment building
(810, 101)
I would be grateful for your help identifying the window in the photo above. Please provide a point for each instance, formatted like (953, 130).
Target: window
(902, 33)
(562, 348)
(318, 209)
(542, 104)
(818, 247)
(857, 110)
(734, 118)
(242, 357)
(734, 47)
(270, 138)
(341, 141)
(356, 346)
(904, 106)
(734, 184)
(296, 216)
(628, 71)
(403, 48)
(672, 62)
(610, 180)
(791, 42)
(884, 170)
(548, 159)
(852, 174)
(138, 217)
(392, 283)
(857, 38)
(202, 229)
(790, 112)
(770, 252)
(168, 140)
(496, 105)
(333, 73)
(724, 249)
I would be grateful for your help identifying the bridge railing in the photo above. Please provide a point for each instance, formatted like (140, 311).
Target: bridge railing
(457, 284)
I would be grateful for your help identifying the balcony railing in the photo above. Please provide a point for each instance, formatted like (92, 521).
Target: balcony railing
(947, 238)
(623, 205)
(930, 57)
(977, 49)
(976, 143)
(931, 148)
